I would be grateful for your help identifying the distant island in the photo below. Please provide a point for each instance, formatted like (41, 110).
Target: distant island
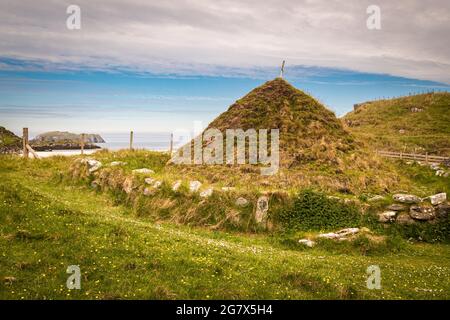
(58, 140)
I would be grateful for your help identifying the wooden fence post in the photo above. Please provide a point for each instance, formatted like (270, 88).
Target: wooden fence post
(171, 144)
(131, 140)
(82, 143)
(426, 157)
(25, 143)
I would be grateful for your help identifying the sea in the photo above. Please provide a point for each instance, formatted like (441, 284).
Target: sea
(154, 141)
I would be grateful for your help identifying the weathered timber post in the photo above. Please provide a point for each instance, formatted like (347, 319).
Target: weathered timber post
(25, 143)
(82, 143)
(131, 140)
(171, 144)
(426, 157)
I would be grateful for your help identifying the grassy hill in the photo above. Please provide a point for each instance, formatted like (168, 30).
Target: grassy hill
(315, 148)
(9, 142)
(419, 122)
(47, 224)
(308, 131)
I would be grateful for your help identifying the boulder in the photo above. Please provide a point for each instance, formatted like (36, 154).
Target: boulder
(194, 186)
(262, 206)
(176, 185)
(387, 216)
(438, 198)
(117, 163)
(93, 165)
(241, 202)
(306, 242)
(422, 212)
(206, 193)
(404, 219)
(406, 198)
(143, 171)
(396, 207)
(442, 210)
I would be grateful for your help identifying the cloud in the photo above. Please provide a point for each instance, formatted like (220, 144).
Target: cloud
(230, 37)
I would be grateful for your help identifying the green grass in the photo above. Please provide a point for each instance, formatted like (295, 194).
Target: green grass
(47, 224)
(379, 123)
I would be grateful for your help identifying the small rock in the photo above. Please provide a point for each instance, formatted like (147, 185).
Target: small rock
(440, 173)
(143, 171)
(262, 206)
(157, 184)
(194, 186)
(404, 219)
(422, 212)
(206, 193)
(149, 191)
(376, 198)
(306, 242)
(396, 207)
(341, 234)
(176, 185)
(94, 184)
(93, 165)
(387, 216)
(347, 232)
(443, 210)
(9, 280)
(330, 235)
(435, 166)
(117, 163)
(438, 198)
(406, 198)
(241, 202)
(149, 180)
(228, 188)
(128, 185)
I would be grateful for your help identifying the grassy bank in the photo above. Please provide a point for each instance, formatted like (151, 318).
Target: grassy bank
(47, 224)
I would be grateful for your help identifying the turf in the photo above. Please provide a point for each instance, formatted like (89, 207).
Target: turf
(47, 224)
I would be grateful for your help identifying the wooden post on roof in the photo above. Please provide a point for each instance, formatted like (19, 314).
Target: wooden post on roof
(282, 70)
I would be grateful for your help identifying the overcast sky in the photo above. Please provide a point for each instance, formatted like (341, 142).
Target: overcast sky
(159, 65)
(224, 37)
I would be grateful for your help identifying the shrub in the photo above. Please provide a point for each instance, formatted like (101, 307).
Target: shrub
(315, 211)
(439, 231)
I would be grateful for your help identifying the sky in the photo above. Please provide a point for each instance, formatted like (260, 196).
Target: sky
(161, 65)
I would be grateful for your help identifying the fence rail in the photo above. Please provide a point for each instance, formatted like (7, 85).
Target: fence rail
(412, 156)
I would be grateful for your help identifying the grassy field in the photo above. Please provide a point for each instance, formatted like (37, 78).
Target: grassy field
(47, 224)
